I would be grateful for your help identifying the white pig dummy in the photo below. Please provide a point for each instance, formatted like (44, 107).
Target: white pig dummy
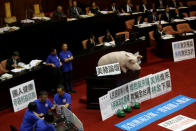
(127, 60)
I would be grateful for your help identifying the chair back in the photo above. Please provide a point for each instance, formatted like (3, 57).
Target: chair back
(84, 42)
(126, 33)
(129, 24)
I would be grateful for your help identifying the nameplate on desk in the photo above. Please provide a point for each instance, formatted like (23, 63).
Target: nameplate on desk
(183, 50)
(110, 69)
(22, 94)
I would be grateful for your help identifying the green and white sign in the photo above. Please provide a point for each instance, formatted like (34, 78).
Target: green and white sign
(22, 94)
(183, 50)
(140, 89)
(119, 97)
(160, 83)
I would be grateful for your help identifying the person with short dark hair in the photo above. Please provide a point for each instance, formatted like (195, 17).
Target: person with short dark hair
(144, 6)
(160, 4)
(158, 33)
(153, 17)
(92, 41)
(178, 14)
(62, 98)
(66, 58)
(43, 103)
(108, 37)
(30, 117)
(53, 59)
(128, 8)
(75, 11)
(94, 8)
(113, 7)
(59, 14)
(167, 16)
(13, 61)
(45, 124)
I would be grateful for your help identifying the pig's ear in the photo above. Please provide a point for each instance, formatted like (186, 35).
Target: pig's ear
(139, 57)
(128, 54)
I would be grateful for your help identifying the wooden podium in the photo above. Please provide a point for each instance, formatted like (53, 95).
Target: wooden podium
(99, 86)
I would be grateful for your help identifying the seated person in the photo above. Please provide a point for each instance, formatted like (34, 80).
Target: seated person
(160, 4)
(94, 8)
(139, 20)
(153, 17)
(53, 59)
(113, 7)
(178, 14)
(144, 6)
(75, 11)
(158, 33)
(174, 3)
(58, 14)
(45, 124)
(108, 37)
(167, 16)
(13, 61)
(30, 117)
(43, 103)
(128, 8)
(92, 41)
(88, 11)
(62, 98)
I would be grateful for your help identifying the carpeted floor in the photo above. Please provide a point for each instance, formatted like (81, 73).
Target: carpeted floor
(183, 75)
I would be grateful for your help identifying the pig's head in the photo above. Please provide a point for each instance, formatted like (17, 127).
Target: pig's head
(132, 62)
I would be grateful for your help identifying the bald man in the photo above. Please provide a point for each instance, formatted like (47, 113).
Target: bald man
(59, 14)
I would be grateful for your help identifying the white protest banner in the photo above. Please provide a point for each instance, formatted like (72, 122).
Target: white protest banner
(119, 97)
(178, 123)
(22, 94)
(183, 50)
(160, 83)
(110, 69)
(105, 107)
(140, 89)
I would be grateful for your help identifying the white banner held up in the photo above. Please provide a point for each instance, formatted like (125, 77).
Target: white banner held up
(140, 89)
(22, 94)
(183, 50)
(160, 83)
(110, 69)
(105, 107)
(178, 123)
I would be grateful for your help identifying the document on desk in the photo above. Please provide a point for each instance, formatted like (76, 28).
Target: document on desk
(166, 37)
(144, 25)
(179, 20)
(135, 13)
(190, 18)
(17, 70)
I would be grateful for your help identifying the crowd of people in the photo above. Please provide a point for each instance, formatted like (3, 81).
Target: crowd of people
(39, 114)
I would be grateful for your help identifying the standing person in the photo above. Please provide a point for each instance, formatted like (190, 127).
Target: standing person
(54, 72)
(30, 117)
(66, 58)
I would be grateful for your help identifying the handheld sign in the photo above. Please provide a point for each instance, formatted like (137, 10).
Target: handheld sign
(22, 94)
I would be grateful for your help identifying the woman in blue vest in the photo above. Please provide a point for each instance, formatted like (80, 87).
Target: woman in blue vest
(30, 118)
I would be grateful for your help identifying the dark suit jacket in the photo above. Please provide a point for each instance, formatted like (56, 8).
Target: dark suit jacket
(110, 9)
(125, 8)
(140, 22)
(10, 62)
(165, 18)
(107, 39)
(150, 18)
(142, 8)
(157, 4)
(73, 13)
(178, 16)
(59, 16)
(171, 4)
(91, 45)
(157, 35)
